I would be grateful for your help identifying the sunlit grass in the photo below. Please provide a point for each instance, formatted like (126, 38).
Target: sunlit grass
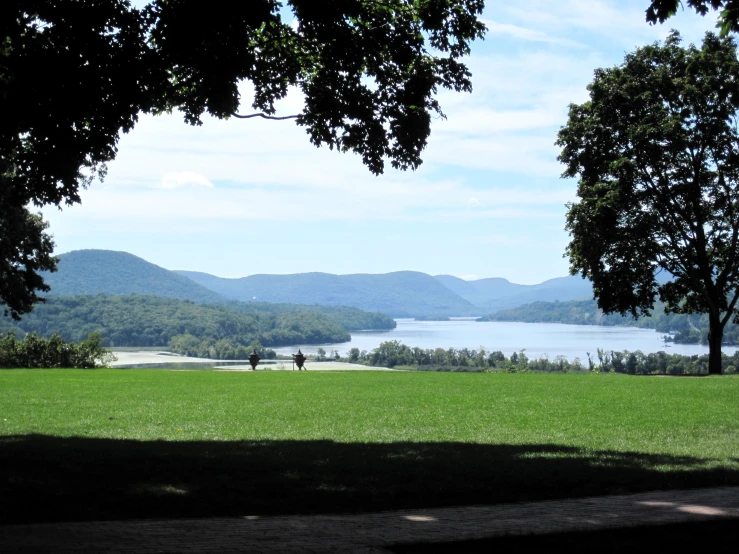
(680, 416)
(152, 443)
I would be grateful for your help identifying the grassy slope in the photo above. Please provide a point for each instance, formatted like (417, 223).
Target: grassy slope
(236, 443)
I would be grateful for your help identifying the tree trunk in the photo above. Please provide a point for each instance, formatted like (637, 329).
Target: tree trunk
(715, 336)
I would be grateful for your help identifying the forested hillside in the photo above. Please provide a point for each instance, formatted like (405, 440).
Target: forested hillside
(351, 319)
(688, 329)
(108, 272)
(399, 294)
(149, 321)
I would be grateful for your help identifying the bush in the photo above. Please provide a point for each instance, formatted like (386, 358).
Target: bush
(35, 352)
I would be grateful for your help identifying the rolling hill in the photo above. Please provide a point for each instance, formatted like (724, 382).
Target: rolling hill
(399, 294)
(107, 272)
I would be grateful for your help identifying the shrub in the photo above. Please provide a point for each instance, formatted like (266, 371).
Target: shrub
(35, 352)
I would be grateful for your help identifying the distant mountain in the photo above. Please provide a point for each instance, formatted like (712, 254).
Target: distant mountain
(500, 294)
(112, 273)
(399, 294)
(482, 291)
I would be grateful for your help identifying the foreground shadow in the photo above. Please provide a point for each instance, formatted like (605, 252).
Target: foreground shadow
(44, 478)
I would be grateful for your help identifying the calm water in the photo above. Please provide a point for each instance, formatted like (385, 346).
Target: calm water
(552, 339)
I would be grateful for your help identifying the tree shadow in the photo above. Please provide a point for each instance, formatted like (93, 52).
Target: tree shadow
(686, 536)
(47, 478)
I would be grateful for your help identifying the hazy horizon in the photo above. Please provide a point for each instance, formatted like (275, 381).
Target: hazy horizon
(463, 277)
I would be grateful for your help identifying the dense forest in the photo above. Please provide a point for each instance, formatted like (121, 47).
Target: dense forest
(150, 321)
(394, 354)
(687, 329)
(351, 319)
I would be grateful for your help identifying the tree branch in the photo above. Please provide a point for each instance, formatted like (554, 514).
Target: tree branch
(264, 116)
(682, 260)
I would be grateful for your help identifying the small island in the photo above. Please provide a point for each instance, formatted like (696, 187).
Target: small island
(432, 318)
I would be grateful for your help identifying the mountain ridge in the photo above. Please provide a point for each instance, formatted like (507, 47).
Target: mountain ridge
(398, 293)
(496, 293)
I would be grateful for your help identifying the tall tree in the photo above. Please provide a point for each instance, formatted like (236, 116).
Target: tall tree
(74, 74)
(656, 151)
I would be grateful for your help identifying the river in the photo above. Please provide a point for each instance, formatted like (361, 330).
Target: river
(538, 339)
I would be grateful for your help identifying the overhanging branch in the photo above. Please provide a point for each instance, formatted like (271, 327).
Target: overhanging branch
(264, 116)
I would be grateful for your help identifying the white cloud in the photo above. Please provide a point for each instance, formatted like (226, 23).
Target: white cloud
(381, 199)
(525, 33)
(184, 179)
(470, 277)
(619, 22)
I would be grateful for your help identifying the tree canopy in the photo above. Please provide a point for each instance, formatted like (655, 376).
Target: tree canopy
(74, 74)
(661, 10)
(655, 151)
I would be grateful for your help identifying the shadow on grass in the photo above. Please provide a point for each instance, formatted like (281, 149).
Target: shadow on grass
(45, 478)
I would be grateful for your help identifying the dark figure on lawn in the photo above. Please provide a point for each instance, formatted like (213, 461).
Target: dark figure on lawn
(299, 359)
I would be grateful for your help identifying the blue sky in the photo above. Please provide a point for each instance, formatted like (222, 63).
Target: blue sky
(239, 197)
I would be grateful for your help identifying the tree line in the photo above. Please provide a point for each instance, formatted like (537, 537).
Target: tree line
(394, 354)
(223, 349)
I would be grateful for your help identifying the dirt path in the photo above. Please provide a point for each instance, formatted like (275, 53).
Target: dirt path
(372, 532)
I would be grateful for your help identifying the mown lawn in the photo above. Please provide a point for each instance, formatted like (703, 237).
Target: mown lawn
(149, 443)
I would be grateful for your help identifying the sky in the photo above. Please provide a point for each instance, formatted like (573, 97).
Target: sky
(240, 197)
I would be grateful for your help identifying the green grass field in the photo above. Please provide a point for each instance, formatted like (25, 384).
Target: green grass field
(102, 444)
